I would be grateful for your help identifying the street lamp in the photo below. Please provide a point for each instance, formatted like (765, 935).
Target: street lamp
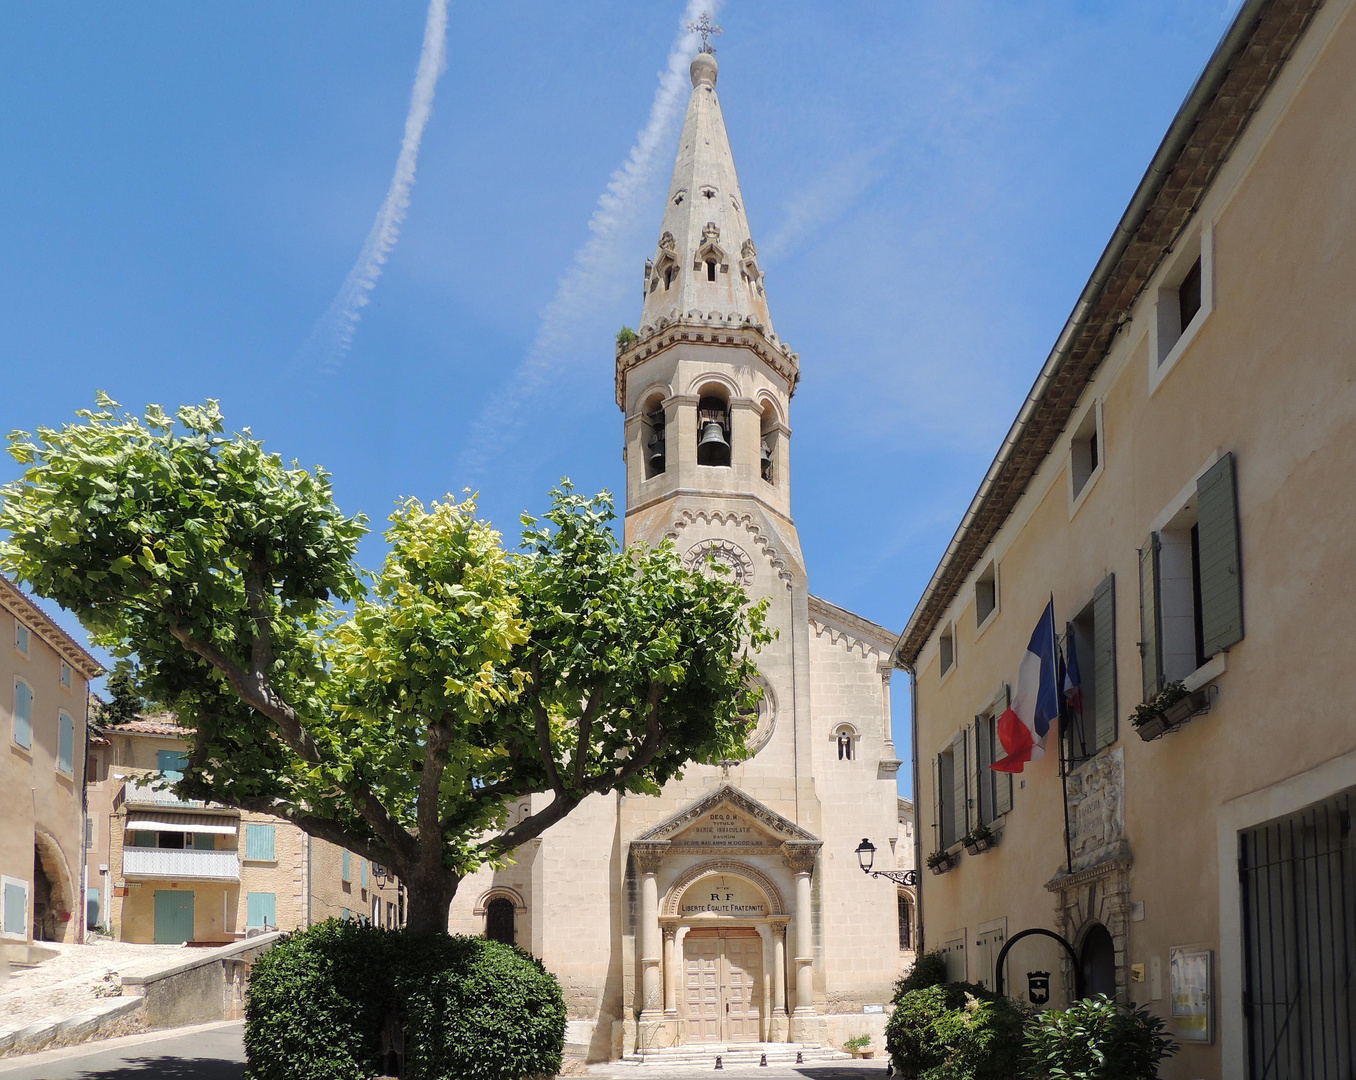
(866, 858)
(379, 872)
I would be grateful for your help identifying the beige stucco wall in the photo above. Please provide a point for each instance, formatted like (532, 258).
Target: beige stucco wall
(1268, 377)
(40, 806)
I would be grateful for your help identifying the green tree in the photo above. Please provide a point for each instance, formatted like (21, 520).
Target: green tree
(398, 714)
(124, 699)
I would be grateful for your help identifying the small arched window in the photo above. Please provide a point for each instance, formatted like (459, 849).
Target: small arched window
(905, 923)
(847, 739)
(656, 457)
(669, 271)
(713, 431)
(499, 921)
(710, 269)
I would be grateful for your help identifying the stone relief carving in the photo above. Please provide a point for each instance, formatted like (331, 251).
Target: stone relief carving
(764, 720)
(1097, 808)
(776, 906)
(781, 827)
(710, 232)
(725, 552)
(667, 242)
(717, 517)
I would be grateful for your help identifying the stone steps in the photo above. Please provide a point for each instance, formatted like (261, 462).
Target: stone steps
(734, 1055)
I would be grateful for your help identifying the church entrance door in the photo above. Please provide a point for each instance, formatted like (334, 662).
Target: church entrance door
(722, 974)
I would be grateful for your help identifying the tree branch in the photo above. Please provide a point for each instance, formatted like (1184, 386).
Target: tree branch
(543, 724)
(322, 828)
(261, 649)
(581, 746)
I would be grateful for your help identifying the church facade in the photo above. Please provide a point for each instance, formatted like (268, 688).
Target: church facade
(731, 908)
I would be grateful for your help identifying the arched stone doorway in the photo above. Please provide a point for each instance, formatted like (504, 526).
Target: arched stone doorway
(53, 896)
(1098, 959)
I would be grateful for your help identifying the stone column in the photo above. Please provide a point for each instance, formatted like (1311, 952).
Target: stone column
(801, 856)
(780, 1030)
(670, 974)
(765, 990)
(649, 857)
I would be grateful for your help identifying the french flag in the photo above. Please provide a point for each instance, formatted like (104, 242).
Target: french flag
(1023, 727)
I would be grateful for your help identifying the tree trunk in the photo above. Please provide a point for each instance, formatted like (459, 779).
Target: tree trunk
(429, 898)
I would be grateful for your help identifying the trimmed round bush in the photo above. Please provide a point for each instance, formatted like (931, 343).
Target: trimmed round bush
(956, 1031)
(929, 969)
(1097, 1039)
(328, 1003)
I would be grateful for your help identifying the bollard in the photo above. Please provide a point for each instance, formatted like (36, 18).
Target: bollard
(763, 1060)
(718, 1064)
(800, 1059)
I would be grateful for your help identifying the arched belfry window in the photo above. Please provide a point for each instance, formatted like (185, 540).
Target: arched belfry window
(767, 444)
(710, 269)
(713, 431)
(847, 743)
(499, 921)
(656, 456)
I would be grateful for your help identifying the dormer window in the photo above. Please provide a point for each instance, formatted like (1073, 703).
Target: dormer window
(713, 431)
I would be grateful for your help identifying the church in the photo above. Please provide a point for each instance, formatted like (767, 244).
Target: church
(732, 907)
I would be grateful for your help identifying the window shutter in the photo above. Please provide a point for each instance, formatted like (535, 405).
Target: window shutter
(1221, 564)
(981, 734)
(941, 802)
(1002, 801)
(1104, 660)
(23, 715)
(65, 744)
(1150, 640)
(348, 876)
(261, 908)
(960, 776)
(259, 842)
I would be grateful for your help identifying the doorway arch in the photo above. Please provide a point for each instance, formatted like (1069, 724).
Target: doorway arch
(53, 891)
(1098, 960)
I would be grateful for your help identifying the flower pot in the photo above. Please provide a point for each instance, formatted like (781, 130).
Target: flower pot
(981, 845)
(1176, 714)
(943, 866)
(1152, 729)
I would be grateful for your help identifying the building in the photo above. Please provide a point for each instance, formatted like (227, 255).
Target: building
(44, 693)
(1179, 485)
(179, 870)
(730, 908)
(907, 900)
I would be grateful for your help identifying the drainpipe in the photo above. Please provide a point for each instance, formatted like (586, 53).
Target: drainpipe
(83, 914)
(308, 880)
(917, 832)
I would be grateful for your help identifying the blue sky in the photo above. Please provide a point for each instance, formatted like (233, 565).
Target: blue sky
(186, 188)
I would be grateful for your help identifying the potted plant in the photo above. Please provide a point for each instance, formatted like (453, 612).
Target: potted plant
(980, 839)
(857, 1047)
(939, 862)
(1170, 708)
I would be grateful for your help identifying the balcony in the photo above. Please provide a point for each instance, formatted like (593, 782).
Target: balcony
(183, 865)
(143, 793)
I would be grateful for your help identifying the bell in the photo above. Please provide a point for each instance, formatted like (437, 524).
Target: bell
(713, 435)
(657, 450)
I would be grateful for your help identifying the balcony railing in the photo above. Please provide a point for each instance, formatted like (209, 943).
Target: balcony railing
(173, 863)
(144, 793)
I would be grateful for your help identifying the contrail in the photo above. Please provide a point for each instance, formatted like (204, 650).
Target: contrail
(598, 265)
(333, 334)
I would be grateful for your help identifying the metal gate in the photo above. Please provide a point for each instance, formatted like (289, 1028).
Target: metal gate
(1298, 878)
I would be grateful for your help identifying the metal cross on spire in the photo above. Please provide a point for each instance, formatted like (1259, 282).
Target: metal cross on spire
(708, 30)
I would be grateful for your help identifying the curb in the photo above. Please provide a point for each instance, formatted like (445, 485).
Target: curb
(70, 1030)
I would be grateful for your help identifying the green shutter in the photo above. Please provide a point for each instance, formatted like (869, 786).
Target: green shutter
(261, 909)
(1220, 562)
(980, 734)
(23, 715)
(1104, 660)
(65, 744)
(348, 876)
(362, 873)
(1004, 780)
(1150, 640)
(259, 842)
(960, 783)
(204, 841)
(16, 908)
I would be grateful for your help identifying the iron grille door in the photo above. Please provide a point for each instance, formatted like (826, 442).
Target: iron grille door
(1298, 879)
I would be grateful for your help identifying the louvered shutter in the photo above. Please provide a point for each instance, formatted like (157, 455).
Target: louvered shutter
(960, 777)
(1150, 640)
(1003, 781)
(1220, 562)
(938, 806)
(1104, 660)
(980, 735)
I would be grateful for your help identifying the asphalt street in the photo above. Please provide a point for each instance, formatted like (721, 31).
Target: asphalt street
(207, 1052)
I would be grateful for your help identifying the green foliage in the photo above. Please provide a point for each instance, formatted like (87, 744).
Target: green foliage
(857, 1042)
(956, 1031)
(124, 700)
(929, 969)
(1097, 1039)
(937, 858)
(1149, 710)
(321, 999)
(626, 336)
(397, 714)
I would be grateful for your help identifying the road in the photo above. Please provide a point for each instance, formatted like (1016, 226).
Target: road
(207, 1052)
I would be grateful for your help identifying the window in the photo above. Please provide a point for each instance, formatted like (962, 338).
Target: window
(947, 649)
(259, 842)
(65, 762)
(1189, 297)
(1090, 660)
(23, 714)
(1191, 582)
(89, 833)
(905, 923)
(171, 763)
(769, 436)
(65, 674)
(261, 909)
(347, 872)
(499, 920)
(204, 842)
(713, 431)
(669, 272)
(1086, 450)
(710, 269)
(143, 839)
(171, 841)
(653, 431)
(1182, 302)
(986, 594)
(21, 637)
(15, 905)
(847, 739)
(991, 792)
(951, 794)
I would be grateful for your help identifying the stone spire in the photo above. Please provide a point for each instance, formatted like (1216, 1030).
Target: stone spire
(705, 267)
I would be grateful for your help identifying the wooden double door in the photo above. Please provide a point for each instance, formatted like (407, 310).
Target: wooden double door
(722, 985)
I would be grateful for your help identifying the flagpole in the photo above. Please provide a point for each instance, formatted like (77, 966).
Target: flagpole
(1063, 714)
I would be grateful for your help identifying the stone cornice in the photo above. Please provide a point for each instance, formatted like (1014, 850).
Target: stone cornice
(780, 827)
(712, 329)
(33, 617)
(1119, 862)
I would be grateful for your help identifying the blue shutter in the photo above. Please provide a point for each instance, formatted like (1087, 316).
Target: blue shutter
(16, 908)
(261, 908)
(65, 744)
(348, 873)
(362, 873)
(259, 842)
(171, 763)
(23, 715)
(92, 917)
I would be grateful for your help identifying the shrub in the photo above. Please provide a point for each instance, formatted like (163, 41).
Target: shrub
(320, 1002)
(929, 969)
(956, 1031)
(1097, 1039)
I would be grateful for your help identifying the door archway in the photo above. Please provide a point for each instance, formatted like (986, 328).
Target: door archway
(1098, 960)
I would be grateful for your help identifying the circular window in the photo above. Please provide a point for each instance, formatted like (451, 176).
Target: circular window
(762, 718)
